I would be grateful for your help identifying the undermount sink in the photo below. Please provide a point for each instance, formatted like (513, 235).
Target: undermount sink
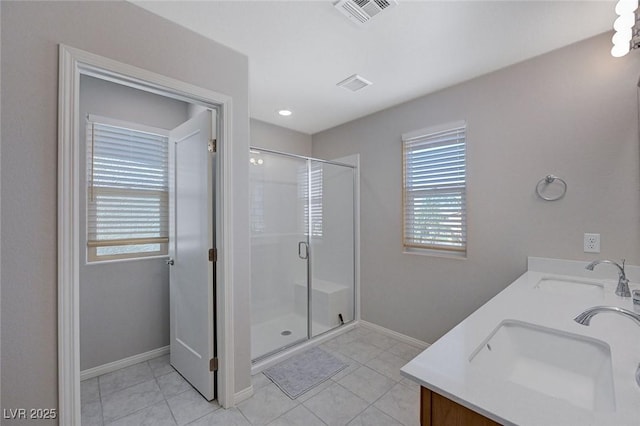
(570, 287)
(563, 365)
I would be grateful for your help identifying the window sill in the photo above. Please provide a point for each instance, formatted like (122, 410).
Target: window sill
(133, 259)
(435, 253)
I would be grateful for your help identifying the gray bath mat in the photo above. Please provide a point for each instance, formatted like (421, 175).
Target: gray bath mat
(304, 371)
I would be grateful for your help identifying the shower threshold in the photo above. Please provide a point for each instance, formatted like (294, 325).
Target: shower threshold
(278, 334)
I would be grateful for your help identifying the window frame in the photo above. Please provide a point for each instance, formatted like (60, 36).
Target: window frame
(423, 136)
(92, 246)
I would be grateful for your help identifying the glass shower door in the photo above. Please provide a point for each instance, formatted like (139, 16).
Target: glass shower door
(331, 234)
(279, 251)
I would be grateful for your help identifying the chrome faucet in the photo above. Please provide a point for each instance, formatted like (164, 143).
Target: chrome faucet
(585, 317)
(623, 282)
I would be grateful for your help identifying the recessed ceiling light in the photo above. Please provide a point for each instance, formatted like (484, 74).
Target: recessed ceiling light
(285, 112)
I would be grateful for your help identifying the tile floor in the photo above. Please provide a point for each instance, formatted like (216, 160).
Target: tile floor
(370, 391)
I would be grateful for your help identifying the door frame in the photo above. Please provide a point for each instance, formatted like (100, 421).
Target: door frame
(72, 64)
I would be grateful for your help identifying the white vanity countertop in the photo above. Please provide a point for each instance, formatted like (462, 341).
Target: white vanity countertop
(445, 368)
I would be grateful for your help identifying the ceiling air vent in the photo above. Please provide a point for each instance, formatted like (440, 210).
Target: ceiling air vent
(361, 11)
(354, 83)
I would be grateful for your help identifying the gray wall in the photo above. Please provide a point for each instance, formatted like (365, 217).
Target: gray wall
(124, 305)
(31, 32)
(270, 136)
(572, 112)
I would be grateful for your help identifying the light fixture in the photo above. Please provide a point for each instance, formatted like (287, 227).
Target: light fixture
(624, 22)
(627, 34)
(619, 50)
(626, 6)
(621, 37)
(256, 162)
(285, 112)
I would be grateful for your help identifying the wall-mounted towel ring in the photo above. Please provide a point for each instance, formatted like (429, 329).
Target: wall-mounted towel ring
(544, 184)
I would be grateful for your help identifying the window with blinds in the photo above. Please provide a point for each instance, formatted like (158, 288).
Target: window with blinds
(434, 188)
(127, 199)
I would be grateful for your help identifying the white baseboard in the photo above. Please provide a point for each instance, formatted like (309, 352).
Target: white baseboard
(398, 336)
(116, 365)
(243, 395)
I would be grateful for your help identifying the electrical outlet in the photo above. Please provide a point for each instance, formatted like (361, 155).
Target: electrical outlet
(592, 243)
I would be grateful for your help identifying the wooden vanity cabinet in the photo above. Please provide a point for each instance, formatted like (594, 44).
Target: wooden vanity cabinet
(436, 410)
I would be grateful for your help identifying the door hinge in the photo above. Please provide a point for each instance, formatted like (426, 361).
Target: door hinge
(213, 364)
(213, 145)
(213, 255)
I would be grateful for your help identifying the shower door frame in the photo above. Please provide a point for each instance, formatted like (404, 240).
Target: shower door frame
(356, 248)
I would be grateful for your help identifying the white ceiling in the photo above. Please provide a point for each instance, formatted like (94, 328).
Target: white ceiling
(299, 50)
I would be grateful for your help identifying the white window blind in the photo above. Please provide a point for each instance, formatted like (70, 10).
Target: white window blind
(315, 200)
(127, 200)
(310, 191)
(434, 188)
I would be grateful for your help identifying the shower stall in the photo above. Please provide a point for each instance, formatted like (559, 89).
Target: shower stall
(303, 214)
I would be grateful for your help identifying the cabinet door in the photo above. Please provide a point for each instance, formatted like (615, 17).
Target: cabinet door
(436, 410)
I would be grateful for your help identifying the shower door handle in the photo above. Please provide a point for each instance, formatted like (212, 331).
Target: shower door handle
(302, 255)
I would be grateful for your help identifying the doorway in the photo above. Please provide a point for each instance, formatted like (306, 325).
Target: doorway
(74, 64)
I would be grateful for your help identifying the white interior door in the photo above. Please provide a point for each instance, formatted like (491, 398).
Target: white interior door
(192, 235)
